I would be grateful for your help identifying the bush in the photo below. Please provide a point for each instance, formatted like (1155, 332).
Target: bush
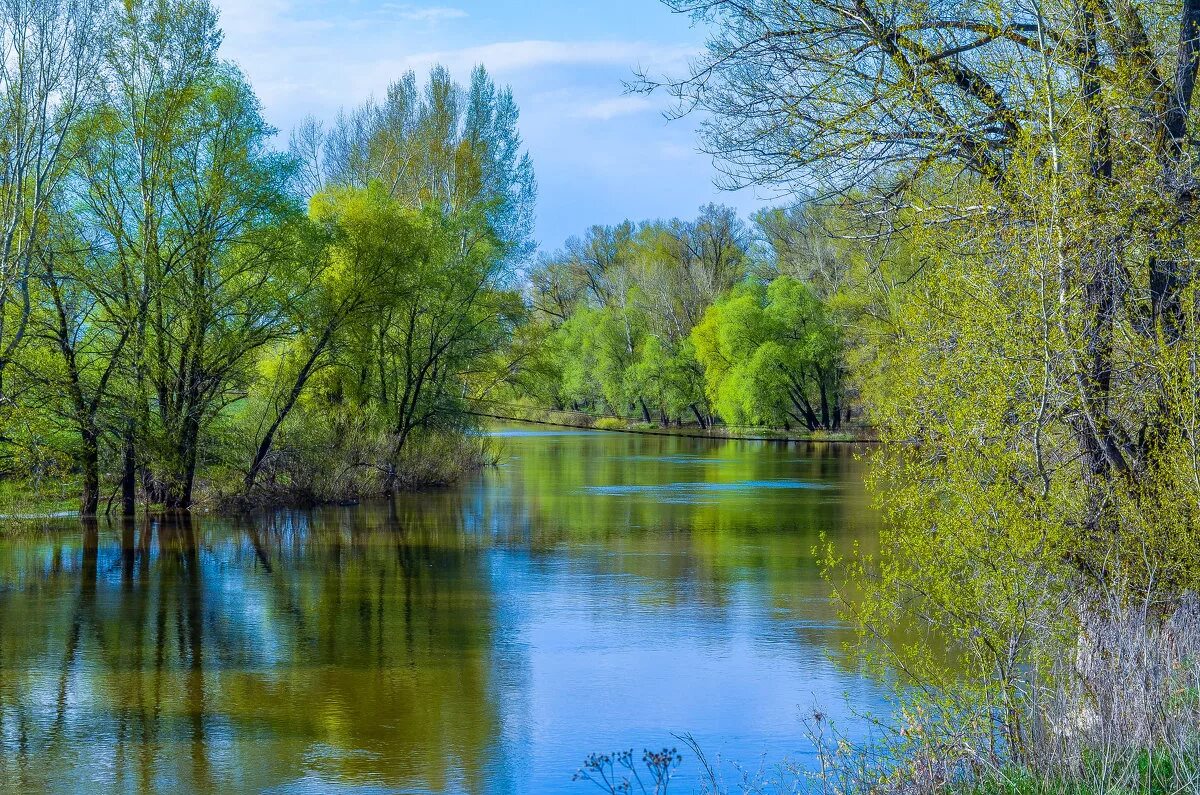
(344, 456)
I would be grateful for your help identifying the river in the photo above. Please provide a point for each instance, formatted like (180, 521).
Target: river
(595, 591)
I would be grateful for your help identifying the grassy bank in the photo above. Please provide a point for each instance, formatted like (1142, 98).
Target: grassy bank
(40, 497)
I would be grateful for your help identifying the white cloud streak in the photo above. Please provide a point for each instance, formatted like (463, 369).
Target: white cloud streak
(431, 15)
(607, 109)
(513, 56)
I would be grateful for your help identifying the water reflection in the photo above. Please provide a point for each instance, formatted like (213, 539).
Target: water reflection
(596, 591)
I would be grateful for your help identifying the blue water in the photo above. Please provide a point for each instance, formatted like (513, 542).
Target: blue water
(594, 592)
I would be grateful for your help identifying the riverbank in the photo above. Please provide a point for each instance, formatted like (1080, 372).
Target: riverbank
(507, 412)
(289, 480)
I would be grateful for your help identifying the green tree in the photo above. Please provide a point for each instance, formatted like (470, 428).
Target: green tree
(159, 57)
(772, 356)
(637, 291)
(445, 146)
(1037, 328)
(49, 78)
(412, 309)
(79, 319)
(598, 351)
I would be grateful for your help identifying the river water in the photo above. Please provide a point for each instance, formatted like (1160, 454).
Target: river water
(596, 591)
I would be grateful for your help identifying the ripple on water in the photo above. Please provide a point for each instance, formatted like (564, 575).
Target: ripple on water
(672, 459)
(513, 433)
(680, 489)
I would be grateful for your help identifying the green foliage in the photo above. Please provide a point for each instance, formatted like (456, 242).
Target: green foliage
(182, 315)
(771, 356)
(1026, 334)
(598, 347)
(624, 310)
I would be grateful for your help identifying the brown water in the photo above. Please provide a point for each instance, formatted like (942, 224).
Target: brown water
(596, 591)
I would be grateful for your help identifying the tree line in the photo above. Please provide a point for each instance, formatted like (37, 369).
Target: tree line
(184, 305)
(696, 322)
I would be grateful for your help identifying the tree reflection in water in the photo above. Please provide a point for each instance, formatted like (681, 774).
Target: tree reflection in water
(594, 592)
(199, 656)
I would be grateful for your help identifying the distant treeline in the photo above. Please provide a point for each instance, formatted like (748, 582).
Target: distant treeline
(697, 321)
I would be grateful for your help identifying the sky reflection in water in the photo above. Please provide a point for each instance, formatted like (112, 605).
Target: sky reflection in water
(581, 597)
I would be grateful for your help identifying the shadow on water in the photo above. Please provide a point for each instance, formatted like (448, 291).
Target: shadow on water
(478, 639)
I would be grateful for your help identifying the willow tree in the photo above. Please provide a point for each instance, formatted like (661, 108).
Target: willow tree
(1039, 162)
(772, 357)
(621, 302)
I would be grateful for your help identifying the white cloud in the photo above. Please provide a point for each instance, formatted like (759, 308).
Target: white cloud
(607, 109)
(512, 56)
(676, 151)
(429, 15)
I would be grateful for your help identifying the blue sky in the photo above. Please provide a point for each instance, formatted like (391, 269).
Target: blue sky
(601, 155)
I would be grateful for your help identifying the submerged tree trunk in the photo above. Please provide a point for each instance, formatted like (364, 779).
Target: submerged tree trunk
(128, 476)
(90, 461)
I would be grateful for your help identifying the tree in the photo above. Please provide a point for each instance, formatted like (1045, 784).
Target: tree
(599, 348)
(185, 313)
(412, 307)
(864, 91)
(771, 356)
(228, 295)
(49, 59)
(159, 58)
(1038, 165)
(79, 315)
(454, 148)
(671, 379)
(623, 300)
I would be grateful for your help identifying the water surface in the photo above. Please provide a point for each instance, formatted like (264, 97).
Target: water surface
(596, 591)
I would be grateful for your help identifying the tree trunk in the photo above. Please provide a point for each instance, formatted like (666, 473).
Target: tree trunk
(824, 406)
(128, 477)
(264, 447)
(178, 492)
(90, 460)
